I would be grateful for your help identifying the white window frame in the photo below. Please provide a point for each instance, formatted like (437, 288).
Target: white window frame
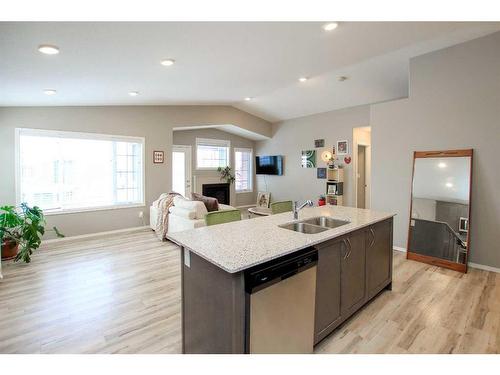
(212, 142)
(80, 135)
(250, 150)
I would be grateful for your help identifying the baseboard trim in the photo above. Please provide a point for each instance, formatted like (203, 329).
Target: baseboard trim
(471, 265)
(97, 234)
(483, 267)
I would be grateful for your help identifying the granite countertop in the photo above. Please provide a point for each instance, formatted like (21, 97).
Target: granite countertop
(239, 245)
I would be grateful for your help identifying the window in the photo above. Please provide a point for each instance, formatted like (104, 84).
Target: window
(243, 169)
(67, 171)
(212, 153)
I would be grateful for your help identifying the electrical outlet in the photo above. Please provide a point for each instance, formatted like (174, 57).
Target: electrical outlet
(141, 214)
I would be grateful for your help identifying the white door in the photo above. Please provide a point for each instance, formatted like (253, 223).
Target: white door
(181, 170)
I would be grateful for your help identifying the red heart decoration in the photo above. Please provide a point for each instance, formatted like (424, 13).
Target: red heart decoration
(347, 159)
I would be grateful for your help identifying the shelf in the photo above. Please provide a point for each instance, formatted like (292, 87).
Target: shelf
(335, 200)
(335, 179)
(335, 175)
(334, 188)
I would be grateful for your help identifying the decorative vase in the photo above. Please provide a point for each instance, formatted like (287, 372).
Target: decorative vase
(9, 249)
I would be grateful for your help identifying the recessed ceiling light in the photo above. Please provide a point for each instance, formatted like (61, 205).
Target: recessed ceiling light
(133, 93)
(330, 26)
(303, 79)
(49, 92)
(442, 165)
(167, 62)
(48, 49)
(449, 184)
(248, 98)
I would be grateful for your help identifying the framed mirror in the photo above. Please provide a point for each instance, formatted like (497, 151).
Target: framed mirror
(438, 231)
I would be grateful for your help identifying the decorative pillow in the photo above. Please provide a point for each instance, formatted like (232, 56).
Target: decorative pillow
(196, 206)
(182, 212)
(212, 204)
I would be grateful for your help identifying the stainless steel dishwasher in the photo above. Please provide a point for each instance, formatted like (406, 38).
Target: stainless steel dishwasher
(281, 304)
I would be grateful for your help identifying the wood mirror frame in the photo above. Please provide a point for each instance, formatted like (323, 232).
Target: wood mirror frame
(427, 258)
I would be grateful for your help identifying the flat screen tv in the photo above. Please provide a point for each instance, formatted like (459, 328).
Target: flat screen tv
(269, 165)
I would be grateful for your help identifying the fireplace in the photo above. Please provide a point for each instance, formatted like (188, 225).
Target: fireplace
(219, 191)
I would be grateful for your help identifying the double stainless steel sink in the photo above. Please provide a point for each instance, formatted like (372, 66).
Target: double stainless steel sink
(314, 225)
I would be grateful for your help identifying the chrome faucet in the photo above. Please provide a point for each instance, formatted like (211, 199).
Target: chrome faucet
(296, 208)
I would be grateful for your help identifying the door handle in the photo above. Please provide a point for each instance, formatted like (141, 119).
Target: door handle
(373, 237)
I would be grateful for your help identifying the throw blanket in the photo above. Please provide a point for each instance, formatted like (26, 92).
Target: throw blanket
(163, 205)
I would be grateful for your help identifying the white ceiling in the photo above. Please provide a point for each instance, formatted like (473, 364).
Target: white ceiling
(219, 63)
(430, 180)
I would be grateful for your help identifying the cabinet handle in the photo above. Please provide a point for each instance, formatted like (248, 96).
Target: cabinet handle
(349, 247)
(373, 237)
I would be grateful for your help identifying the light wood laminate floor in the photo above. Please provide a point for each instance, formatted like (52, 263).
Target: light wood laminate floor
(121, 294)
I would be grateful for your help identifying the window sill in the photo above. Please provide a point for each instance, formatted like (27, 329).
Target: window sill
(207, 169)
(94, 209)
(243, 191)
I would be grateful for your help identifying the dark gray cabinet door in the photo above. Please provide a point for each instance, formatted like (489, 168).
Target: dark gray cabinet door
(378, 256)
(353, 272)
(327, 312)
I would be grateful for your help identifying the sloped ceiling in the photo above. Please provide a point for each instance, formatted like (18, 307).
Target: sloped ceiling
(219, 63)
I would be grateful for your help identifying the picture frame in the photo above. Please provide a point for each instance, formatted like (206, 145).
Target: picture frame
(318, 143)
(263, 199)
(342, 147)
(308, 159)
(158, 157)
(463, 225)
(321, 173)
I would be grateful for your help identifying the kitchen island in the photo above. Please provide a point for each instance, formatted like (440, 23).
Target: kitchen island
(354, 263)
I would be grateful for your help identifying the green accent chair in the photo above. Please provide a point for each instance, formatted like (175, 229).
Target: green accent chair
(221, 217)
(282, 206)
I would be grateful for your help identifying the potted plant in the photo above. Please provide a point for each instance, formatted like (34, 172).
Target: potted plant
(225, 174)
(21, 231)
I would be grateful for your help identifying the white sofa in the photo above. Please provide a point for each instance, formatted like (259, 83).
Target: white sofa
(184, 214)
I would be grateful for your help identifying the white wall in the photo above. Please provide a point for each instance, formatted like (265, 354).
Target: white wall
(454, 103)
(292, 136)
(155, 123)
